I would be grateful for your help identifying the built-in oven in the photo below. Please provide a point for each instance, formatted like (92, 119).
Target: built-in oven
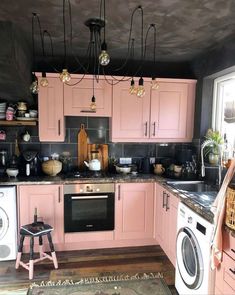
(88, 207)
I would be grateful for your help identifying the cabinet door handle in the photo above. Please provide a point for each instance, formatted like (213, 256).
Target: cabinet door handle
(233, 250)
(167, 202)
(163, 199)
(59, 197)
(232, 271)
(146, 129)
(119, 193)
(59, 127)
(154, 128)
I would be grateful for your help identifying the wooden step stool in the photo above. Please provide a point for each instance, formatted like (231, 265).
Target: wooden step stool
(36, 229)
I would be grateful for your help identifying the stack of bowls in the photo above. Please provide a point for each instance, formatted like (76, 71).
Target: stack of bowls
(3, 106)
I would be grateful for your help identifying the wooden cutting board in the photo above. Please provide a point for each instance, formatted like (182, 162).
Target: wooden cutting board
(82, 147)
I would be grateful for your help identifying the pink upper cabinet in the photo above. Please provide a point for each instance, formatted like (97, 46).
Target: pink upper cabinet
(51, 111)
(163, 114)
(130, 118)
(77, 98)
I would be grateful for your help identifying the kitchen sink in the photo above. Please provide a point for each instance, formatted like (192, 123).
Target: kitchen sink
(192, 186)
(200, 192)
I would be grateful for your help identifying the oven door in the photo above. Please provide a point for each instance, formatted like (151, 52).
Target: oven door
(88, 212)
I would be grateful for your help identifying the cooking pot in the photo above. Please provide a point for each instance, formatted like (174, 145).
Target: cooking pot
(123, 169)
(93, 165)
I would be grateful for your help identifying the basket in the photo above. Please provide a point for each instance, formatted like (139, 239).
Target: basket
(51, 167)
(230, 208)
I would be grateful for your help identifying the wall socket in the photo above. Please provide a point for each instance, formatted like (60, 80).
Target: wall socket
(152, 160)
(125, 160)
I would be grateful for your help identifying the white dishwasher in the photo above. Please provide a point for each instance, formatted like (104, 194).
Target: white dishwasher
(8, 223)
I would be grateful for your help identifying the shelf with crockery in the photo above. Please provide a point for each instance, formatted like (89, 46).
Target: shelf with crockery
(19, 122)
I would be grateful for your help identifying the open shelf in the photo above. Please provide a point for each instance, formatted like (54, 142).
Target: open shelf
(17, 123)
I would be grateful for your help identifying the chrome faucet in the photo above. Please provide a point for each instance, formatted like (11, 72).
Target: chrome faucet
(210, 142)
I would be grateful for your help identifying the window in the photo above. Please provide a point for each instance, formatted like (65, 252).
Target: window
(223, 116)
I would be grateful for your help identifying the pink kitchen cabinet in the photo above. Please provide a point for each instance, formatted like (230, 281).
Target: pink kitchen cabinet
(130, 117)
(166, 221)
(51, 110)
(77, 97)
(163, 114)
(48, 199)
(134, 211)
(225, 273)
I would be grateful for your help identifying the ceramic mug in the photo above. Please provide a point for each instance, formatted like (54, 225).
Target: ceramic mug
(158, 169)
(177, 168)
(10, 114)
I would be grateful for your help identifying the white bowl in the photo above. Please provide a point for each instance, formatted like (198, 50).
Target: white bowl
(12, 172)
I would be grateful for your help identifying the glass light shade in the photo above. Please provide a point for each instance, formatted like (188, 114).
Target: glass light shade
(104, 58)
(140, 91)
(93, 104)
(154, 83)
(65, 76)
(132, 89)
(44, 82)
(34, 87)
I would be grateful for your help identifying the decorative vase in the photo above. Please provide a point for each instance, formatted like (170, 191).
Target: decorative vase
(213, 159)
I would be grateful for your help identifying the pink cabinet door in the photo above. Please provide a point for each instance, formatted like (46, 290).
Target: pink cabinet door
(130, 118)
(134, 211)
(166, 221)
(169, 111)
(172, 225)
(48, 199)
(77, 98)
(51, 111)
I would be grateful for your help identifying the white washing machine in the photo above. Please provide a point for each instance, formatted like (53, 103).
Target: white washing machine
(8, 223)
(193, 248)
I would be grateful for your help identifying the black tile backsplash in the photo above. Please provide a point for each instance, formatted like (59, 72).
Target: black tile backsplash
(98, 132)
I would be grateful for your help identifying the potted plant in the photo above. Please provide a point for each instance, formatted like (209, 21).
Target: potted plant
(214, 142)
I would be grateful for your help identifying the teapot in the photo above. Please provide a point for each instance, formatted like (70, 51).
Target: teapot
(93, 165)
(158, 169)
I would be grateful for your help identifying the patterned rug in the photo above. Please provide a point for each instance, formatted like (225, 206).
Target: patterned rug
(138, 284)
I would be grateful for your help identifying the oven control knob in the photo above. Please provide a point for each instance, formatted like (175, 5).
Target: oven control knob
(97, 189)
(89, 189)
(190, 219)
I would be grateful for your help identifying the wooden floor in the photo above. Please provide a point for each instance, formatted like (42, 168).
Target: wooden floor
(76, 264)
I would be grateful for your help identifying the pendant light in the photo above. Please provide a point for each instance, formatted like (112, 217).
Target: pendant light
(93, 103)
(104, 57)
(65, 75)
(140, 90)
(34, 85)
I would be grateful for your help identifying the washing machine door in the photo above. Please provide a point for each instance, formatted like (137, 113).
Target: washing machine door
(189, 258)
(4, 223)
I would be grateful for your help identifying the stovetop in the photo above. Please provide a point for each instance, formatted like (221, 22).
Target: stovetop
(86, 174)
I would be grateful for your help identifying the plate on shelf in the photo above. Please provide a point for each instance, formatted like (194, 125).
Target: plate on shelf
(26, 119)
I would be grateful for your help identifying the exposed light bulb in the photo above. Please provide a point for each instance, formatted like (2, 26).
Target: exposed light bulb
(132, 89)
(140, 89)
(154, 83)
(65, 76)
(34, 87)
(44, 82)
(104, 57)
(93, 104)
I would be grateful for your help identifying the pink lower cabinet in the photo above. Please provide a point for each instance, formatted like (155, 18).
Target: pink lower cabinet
(48, 199)
(225, 274)
(134, 208)
(166, 221)
(51, 110)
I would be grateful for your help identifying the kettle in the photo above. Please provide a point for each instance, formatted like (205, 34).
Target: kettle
(93, 165)
(145, 165)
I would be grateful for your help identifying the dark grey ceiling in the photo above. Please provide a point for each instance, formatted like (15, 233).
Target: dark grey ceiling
(185, 28)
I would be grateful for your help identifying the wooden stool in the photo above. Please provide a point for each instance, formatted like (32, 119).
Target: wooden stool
(36, 229)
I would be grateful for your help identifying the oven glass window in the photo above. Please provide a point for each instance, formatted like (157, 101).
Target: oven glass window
(188, 255)
(89, 209)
